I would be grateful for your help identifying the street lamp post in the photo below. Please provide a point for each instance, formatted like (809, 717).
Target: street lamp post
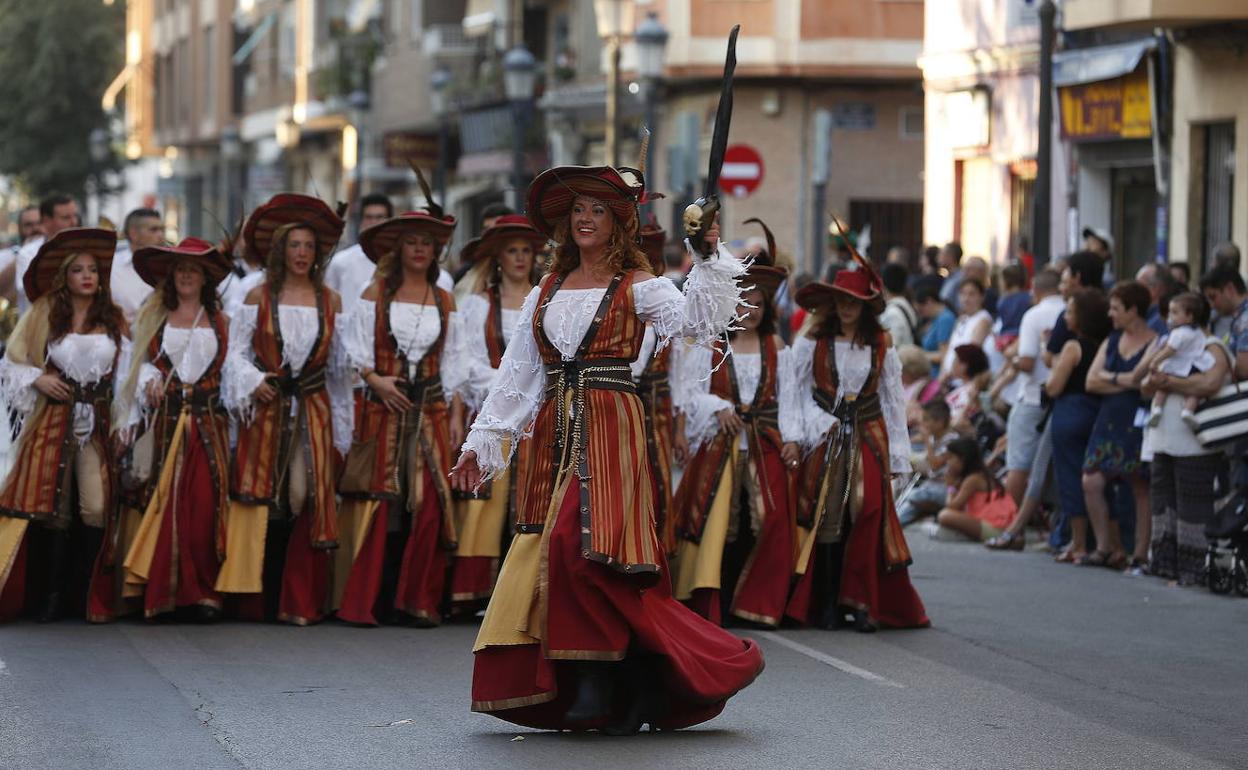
(359, 102)
(615, 18)
(519, 83)
(651, 45)
(440, 82)
(1043, 206)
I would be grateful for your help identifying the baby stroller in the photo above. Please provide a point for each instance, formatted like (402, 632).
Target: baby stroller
(1228, 535)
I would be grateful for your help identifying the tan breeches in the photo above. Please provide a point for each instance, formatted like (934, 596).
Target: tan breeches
(89, 478)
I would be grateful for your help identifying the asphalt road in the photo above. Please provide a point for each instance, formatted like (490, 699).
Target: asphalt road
(1029, 665)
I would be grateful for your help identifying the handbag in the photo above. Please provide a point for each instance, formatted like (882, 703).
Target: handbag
(143, 453)
(1223, 418)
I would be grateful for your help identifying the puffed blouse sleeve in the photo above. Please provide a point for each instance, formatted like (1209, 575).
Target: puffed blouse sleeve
(456, 366)
(704, 311)
(360, 332)
(790, 407)
(479, 375)
(17, 385)
(807, 423)
(338, 381)
(691, 394)
(240, 376)
(508, 411)
(893, 404)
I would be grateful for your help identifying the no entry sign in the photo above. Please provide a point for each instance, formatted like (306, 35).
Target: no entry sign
(742, 172)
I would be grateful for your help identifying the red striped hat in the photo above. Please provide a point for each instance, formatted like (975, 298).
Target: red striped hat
(553, 191)
(852, 283)
(41, 274)
(154, 263)
(380, 239)
(652, 239)
(291, 208)
(504, 229)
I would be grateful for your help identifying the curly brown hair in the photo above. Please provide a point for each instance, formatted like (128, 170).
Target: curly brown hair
(623, 251)
(102, 312)
(207, 294)
(276, 266)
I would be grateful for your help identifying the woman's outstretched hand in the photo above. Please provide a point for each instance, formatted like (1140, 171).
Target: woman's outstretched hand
(466, 475)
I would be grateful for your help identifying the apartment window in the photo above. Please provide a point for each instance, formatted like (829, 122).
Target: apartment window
(1219, 184)
(209, 46)
(911, 119)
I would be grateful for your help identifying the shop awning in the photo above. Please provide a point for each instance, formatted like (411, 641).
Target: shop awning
(479, 17)
(1103, 62)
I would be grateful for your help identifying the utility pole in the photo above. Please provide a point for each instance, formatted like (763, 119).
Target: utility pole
(1042, 224)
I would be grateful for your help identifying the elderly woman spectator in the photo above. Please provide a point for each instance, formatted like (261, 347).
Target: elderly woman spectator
(1113, 452)
(1182, 469)
(1074, 412)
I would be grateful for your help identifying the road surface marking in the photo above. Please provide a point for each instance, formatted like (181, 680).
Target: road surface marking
(826, 659)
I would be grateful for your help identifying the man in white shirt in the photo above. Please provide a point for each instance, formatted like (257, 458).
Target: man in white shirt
(1026, 415)
(350, 271)
(27, 229)
(57, 212)
(899, 318)
(143, 228)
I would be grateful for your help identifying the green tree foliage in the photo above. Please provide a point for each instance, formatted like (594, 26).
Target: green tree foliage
(56, 59)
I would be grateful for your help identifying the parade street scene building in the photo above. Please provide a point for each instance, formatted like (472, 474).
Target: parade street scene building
(612, 383)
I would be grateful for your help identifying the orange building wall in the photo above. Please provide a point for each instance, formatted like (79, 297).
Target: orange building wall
(713, 18)
(862, 19)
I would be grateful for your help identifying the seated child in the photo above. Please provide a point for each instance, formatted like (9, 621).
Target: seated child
(926, 497)
(978, 506)
(970, 371)
(1182, 353)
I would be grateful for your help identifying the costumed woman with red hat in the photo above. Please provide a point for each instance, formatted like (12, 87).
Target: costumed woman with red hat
(506, 254)
(58, 504)
(288, 383)
(652, 373)
(398, 525)
(581, 631)
(852, 555)
(181, 337)
(735, 521)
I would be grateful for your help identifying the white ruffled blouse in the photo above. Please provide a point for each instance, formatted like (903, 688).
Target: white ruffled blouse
(691, 391)
(853, 365)
(706, 309)
(480, 376)
(84, 358)
(416, 329)
(191, 351)
(299, 326)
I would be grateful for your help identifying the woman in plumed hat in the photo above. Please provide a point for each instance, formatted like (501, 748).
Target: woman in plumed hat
(852, 557)
(581, 631)
(288, 384)
(57, 505)
(398, 523)
(735, 523)
(505, 255)
(173, 391)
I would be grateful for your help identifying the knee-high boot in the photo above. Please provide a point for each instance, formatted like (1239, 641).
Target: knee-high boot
(51, 610)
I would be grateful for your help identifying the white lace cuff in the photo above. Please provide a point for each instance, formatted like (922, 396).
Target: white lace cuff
(17, 386)
(712, 296)
(488, 445)
(240, 377)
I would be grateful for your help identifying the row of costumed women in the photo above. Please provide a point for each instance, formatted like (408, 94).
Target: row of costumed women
(294, 461)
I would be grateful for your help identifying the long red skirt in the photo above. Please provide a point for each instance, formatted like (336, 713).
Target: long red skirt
(596, 613)
(422, 571)
(20, 592)
(305, 578)
(887, 596)
(186, 578)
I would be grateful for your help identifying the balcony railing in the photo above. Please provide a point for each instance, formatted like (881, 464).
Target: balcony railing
(447, 40)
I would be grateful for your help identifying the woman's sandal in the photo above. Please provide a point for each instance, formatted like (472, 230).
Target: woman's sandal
(1069, 557)
(1093, 559)
(1006, 541)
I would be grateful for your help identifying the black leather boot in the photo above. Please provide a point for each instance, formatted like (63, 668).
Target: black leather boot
(50, 612)
(647, 698)
(862, 622)
(594, 689)
(828, 586)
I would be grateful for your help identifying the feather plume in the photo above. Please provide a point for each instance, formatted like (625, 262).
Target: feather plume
(433, 208)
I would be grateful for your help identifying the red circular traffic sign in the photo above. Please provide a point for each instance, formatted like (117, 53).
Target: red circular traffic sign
(742, 172)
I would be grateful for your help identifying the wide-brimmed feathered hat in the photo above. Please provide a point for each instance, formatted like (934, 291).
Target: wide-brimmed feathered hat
(553, 191)
(155, 263)
(43, 269)
(763, 272)
(381, 239)
(504, 229)
(287, 209)
(852, 283)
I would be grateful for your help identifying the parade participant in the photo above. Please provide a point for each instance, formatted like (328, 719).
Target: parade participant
(848, 393)
(601, 622)
(467, 279)
(175, 381)
(652, 373)
(734, 518)
(57, 212)
(143, 228)
(56, 506)
(288, 383)
(397, 518)
(507, 253)
(28, 228)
